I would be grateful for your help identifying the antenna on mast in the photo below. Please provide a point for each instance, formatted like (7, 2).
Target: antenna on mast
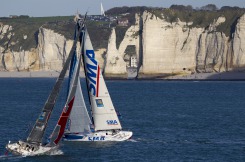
(102, 12)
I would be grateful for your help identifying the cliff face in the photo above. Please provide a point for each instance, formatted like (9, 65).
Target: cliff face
(16, 60)
(52, 49)
(114, 59)
(161, 47)
(238, 44)
(172, 45)
(115, 63)
(175, 48)
(49, 55)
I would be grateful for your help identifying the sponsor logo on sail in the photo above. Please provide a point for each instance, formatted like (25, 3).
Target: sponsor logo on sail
(99, 103)
(41, 117)
(91, 71)
(112, 122)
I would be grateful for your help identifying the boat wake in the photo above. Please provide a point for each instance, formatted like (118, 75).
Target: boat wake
(52, 152)
(13, 157)
(132, 140)
(56, 152)
(9, 157)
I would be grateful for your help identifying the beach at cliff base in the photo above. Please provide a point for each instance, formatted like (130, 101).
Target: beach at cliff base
(198, 76)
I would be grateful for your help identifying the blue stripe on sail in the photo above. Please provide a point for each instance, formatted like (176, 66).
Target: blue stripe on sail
(69, 136)
(72, 66)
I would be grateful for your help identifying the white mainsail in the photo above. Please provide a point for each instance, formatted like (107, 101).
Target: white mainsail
(104, 114)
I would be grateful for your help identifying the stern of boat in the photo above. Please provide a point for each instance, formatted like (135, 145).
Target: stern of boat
(27, 149)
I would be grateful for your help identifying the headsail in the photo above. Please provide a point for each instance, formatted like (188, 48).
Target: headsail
(79, 120)
(60, 127)
(38, 129)
(104, 114)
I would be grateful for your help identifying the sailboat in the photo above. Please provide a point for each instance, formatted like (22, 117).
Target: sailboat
(104, 124)
(34, 144)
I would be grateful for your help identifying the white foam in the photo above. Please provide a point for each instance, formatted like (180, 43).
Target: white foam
(9, 157)
(132, 140)
(56, 152)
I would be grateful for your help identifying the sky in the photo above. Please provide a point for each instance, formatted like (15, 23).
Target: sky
(42, 8)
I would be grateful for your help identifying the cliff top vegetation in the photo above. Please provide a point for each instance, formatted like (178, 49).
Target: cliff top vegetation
(201, 17)
(64, 25)
(100, 29)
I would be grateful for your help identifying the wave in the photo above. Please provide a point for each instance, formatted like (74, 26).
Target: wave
(9, 157)
(55, 152)
(132, 140)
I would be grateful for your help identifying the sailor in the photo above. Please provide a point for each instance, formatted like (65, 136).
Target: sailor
(113, 131)
(27, 147)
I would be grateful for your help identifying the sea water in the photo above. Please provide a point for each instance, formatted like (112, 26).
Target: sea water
(170, 120)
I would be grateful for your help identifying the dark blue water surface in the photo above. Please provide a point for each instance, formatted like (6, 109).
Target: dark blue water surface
(171, 120)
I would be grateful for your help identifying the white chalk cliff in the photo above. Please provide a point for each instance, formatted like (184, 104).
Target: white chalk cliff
(176, 48)
(238, 44)
(53, 49)
(166, 48)
(114, 59)
(50, 54)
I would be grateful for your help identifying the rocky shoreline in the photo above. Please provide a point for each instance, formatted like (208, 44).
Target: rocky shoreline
(198, 76)
(34, 74)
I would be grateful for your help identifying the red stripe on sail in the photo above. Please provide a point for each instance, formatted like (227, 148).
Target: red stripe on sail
(63, 120)
(98, 81)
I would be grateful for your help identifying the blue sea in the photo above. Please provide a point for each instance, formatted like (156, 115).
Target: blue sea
(171, 120)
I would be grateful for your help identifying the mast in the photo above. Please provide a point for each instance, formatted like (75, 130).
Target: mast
(72, 66)
(82, 42)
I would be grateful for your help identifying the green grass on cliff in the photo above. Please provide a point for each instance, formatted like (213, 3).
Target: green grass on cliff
(26, 27)
(64, 25)
(100, 31)
(202, 18)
